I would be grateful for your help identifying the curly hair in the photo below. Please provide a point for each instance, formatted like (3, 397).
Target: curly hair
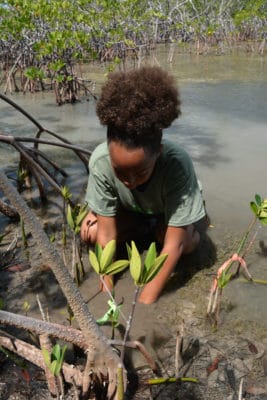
(136, 106)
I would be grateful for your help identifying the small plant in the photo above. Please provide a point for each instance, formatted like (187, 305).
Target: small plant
(142, 273)
(75, 215)
(54, 361)
(66, 197)
(112, 316)
(26, 307)
(259, 208)
(225, 274)
(102, 261)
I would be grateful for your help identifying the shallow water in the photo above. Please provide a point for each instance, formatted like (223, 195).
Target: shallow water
(224, 128)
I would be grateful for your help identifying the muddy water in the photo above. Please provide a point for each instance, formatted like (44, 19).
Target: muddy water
(224, 128)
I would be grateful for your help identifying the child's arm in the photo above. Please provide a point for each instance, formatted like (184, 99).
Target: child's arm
(177, 241)
(106, 231)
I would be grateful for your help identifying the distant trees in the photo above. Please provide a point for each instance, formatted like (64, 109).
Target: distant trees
(42, 41)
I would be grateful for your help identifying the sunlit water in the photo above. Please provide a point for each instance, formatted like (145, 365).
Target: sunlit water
(223, 126)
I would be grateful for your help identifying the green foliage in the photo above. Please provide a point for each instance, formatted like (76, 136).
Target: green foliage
(54, 361)
(75, 215)
(224, 279)
(101, 259)
(34, 73)
(112, 315)
(26, 306)
(259, 208)
(66, 194)
(55, 33)
(143, 273)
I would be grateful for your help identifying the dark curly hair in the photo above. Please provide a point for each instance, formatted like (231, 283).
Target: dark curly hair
(137, 105)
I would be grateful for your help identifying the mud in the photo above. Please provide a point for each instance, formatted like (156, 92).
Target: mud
(220, 359)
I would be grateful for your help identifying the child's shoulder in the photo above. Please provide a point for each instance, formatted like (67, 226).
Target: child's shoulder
(99, 153)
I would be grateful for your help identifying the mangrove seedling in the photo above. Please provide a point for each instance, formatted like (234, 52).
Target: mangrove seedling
(102, 261)
(75, 215)
(225, 274)
(111, 316)
(54, 362)
(26, 307)
(259, 208)
(66, 195)
(142, 273)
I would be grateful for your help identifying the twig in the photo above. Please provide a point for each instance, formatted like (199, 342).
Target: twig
(178, 348)
(240, 391)
(129, 321)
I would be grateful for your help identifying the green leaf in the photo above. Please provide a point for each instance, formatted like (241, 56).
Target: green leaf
(135, 264)
(103, 320)
(56, 351)
(263, 221)
(263, 214)
(98, 251)
(254, 208)
(150, 256)
(83, 212)
(155, 268)
(224, 279)
(107, 255)
(66, 192)
(53, 367)
(129, 251)
(117, 266)
(94, 261)
(70, 217)
(47, 358)
(258, 200)
(62, 355)
(111, 315)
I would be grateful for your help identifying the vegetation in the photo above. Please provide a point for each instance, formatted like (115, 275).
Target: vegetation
(44, 44)
(225, 273)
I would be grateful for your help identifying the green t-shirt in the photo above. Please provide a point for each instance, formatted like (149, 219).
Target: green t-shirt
(172, 190)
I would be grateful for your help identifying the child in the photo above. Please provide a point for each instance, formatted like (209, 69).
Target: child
(138, 180)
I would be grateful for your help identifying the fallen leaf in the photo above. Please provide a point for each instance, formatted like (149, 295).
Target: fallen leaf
(214, 365)
(26, 375)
